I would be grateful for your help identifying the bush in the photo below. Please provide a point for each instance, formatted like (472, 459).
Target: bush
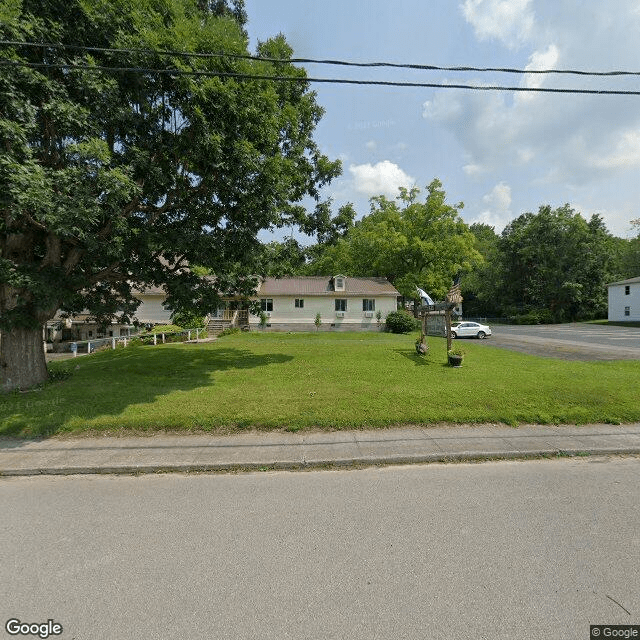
(188, 320)
(229, 332)
(401, 322)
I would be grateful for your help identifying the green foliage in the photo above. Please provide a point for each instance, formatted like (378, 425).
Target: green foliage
(116, 180)
(558, 262)
(286, 258)
(188, 320)
(401, 322)
(552, 266)
(230, 331)
(264, 319)
(318, 321)
(411, 243)
(165, 328)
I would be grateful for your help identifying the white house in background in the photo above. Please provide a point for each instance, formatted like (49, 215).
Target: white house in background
(152, 309)
(624, 300)
(344, 303)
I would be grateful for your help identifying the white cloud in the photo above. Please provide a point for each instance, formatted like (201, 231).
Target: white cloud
(510, 21)
(498, 207)
(499, 198)
(553, 141)
(382, 178)
(625, 155)
(538, 61)
(371, 145)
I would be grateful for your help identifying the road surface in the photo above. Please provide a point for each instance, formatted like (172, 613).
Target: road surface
(535, 550)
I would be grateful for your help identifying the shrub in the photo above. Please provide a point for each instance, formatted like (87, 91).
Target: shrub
(401, 322)
(229, 332)
(188, 320)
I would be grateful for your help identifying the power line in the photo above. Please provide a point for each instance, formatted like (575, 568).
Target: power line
(238, 56)
(304, 79)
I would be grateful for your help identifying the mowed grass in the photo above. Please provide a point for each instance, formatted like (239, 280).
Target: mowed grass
(317, 380)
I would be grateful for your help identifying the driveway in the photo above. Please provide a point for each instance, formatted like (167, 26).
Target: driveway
(574, 341)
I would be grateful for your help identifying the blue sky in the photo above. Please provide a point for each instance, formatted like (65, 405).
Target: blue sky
(500, 154)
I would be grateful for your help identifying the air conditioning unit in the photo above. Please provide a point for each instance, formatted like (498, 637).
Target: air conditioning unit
(268, 314)
(368, 314)
(340, 314)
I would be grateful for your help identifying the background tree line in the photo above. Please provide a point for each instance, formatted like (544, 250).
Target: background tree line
(551, 266)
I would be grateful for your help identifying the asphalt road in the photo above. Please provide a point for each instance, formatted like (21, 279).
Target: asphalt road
(536, 550)
(575, 341)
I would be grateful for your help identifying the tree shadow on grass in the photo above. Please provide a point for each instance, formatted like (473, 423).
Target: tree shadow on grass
(107, 383)
(419, 361)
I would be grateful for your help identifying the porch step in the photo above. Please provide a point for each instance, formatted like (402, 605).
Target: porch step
(217, 326)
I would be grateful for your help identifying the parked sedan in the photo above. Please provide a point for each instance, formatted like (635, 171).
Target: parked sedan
(470, 330)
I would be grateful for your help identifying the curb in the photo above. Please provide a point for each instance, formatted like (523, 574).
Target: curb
(284, 465)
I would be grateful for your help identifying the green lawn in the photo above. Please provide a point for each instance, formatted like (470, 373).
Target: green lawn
(326, 380)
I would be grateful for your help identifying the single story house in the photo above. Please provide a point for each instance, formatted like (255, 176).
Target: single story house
(343, 303)
(624, 300)
(290, 304)
(293, 303)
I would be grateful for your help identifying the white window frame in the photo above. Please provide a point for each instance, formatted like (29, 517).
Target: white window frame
(299, 303)
(266, 304)
(341, 304)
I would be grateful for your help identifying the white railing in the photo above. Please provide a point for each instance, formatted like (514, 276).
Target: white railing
(150, 338)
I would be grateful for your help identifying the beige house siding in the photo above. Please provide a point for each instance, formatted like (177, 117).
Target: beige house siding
(151, 309)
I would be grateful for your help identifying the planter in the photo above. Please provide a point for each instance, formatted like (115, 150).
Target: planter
(455, 361)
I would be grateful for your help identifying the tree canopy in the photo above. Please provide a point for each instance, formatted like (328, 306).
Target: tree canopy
(552, 266)
(116, 179)
(412, 243)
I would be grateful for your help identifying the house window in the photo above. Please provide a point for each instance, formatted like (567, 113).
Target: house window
(627, 311)
(266, 304)
(368, 305)
(299, 303)
(341, 304)
(627, 289)
(339, 283)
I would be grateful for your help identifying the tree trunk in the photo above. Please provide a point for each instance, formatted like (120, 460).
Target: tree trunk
(22, 360)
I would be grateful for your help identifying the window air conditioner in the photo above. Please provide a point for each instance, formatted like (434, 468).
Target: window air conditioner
(268, 314)
(339, 314)
(368, 314)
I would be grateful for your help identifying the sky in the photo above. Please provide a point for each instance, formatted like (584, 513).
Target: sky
(500, 153)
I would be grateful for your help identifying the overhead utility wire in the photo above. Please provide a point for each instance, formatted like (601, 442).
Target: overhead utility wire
(238, 56)
(303, 79)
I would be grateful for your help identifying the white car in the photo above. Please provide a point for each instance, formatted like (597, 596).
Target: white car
(470, 330)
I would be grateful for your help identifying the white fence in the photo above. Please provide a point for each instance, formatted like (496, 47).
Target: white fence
(151, 338)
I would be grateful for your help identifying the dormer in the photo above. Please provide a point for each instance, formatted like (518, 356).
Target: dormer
(339, 283)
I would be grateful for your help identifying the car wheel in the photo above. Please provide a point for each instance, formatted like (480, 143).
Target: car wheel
(481, 335)
(453, 335)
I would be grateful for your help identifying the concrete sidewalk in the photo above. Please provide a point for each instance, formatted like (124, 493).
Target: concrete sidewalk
(281, 450)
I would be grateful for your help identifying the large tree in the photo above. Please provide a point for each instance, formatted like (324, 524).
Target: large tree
(555, 264)
(113, 179)
(412, 243)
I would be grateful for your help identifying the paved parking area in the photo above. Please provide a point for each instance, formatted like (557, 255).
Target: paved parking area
(572, 341)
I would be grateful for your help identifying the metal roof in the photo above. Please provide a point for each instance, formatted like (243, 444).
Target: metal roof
(321, 286)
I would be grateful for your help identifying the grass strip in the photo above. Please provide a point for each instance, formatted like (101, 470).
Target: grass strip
(317, 380)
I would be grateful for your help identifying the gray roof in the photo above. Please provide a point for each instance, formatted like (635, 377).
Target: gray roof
(629, 281)
(319, 286)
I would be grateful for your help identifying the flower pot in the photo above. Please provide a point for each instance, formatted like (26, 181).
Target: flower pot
(455, 361)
